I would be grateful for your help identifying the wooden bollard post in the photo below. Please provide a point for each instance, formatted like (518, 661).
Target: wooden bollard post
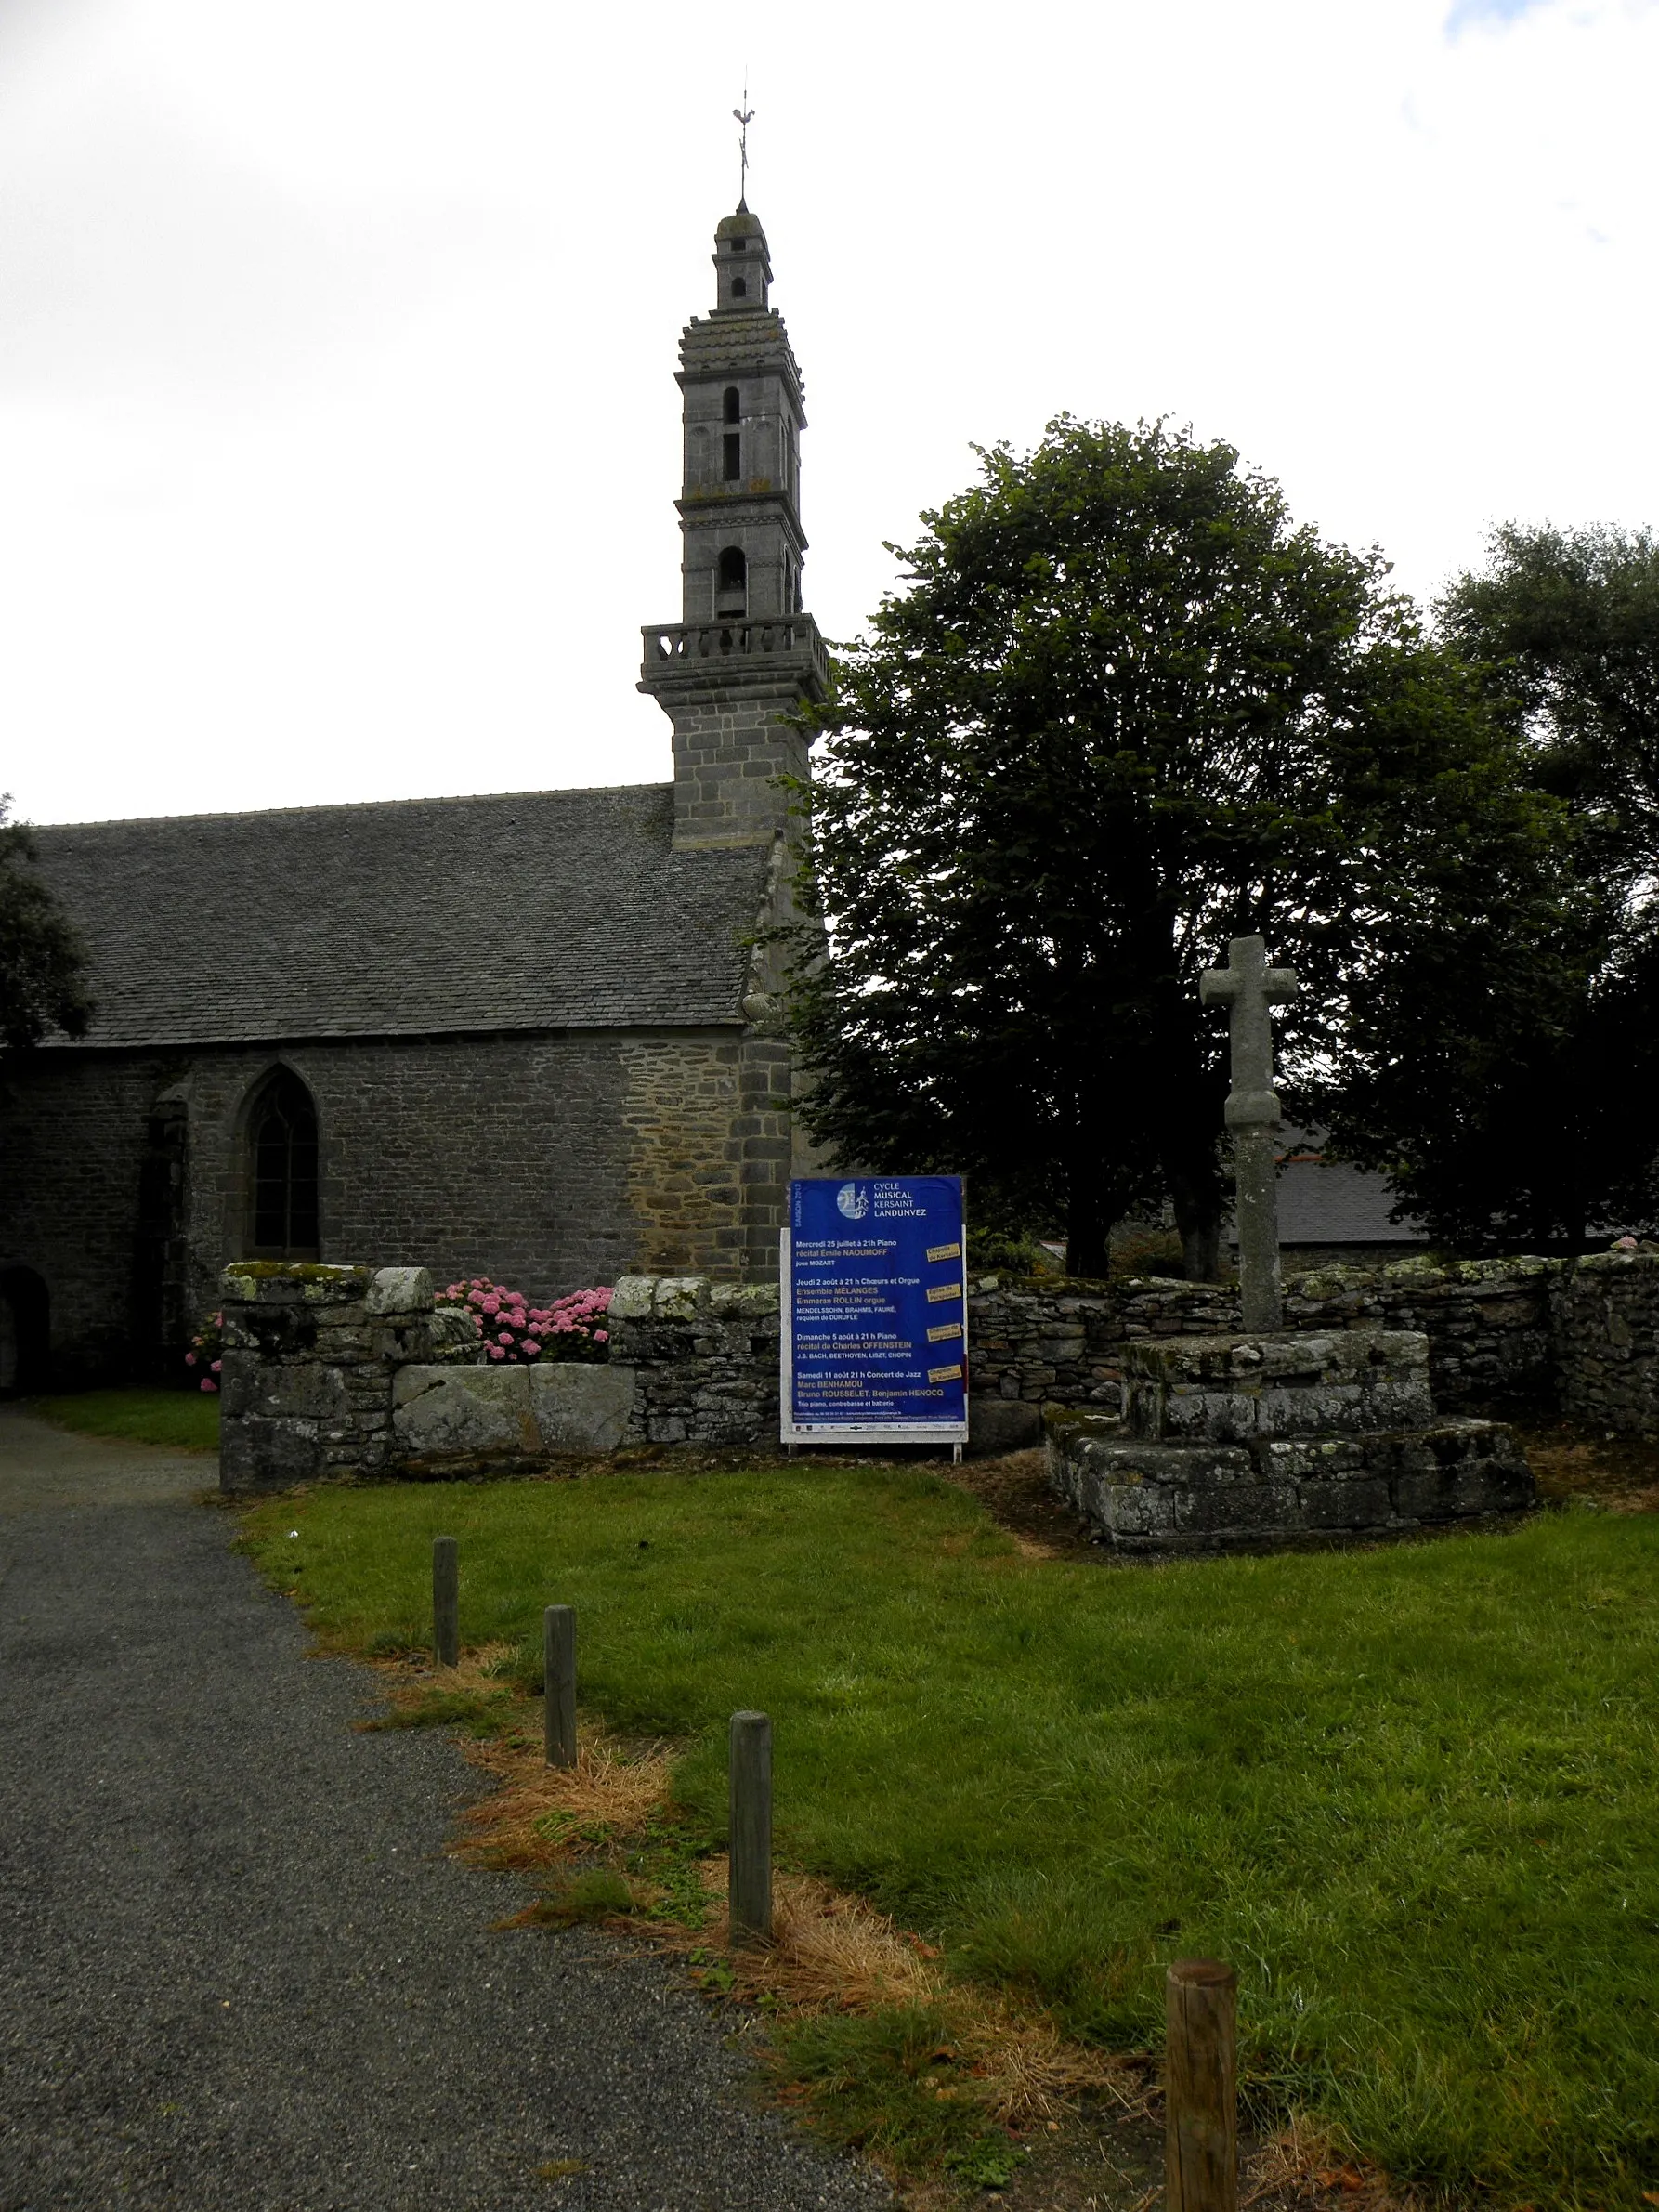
(1201, 2087)
(446, 1599)
(749, 1891)
(558, 1683)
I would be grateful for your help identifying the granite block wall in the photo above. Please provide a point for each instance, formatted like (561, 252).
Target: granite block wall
(732, 743)
(706, 1125)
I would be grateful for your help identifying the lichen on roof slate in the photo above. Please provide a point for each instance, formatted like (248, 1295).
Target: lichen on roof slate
(529, 910)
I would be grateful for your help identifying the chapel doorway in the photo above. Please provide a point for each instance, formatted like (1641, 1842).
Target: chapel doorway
(25, 1332)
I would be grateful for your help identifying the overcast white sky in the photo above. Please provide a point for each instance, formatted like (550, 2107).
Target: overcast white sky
(338, 429)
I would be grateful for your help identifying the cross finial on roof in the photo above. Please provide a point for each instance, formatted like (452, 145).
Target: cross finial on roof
(744, 116)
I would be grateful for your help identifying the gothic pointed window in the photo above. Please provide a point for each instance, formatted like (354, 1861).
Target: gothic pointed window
(282, 1171)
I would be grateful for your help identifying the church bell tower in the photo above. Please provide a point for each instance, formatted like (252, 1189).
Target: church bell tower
(744, 655)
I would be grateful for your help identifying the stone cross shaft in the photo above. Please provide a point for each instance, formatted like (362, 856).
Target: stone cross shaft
(1247, 986)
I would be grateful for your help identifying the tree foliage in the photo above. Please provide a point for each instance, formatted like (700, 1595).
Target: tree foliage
(1529, 1112)
(1122, 710)
(42, 962)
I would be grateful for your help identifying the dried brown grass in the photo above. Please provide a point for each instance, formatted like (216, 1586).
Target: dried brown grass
(832, 1952)
(408, 1682)
(829, 1951)
(539, 1816)
(1302, 2163)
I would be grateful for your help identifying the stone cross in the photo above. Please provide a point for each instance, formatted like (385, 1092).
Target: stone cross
(1248, 987)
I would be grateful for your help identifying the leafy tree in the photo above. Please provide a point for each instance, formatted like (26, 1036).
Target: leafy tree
(1564, 626)
(1530, 1113)
(42, 962)
(1122, 710)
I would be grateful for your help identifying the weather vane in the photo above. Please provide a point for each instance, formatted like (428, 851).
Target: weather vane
(745, 116)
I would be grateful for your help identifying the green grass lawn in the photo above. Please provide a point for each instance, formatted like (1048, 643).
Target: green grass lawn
(1412, 1794)
(182, 1419)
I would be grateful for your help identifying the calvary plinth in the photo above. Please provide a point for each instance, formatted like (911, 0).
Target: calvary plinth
(1275, 1435)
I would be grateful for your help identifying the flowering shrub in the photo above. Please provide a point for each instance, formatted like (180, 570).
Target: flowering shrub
(205, 1348)
(570, 1328)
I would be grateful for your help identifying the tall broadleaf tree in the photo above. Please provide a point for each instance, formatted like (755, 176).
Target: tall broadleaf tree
(1541, 1122)
(1122, 709)
(43, 965)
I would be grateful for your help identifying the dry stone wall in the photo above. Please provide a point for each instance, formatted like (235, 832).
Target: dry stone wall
(309, 1354)
(1606, 1317)
(704, 1357)
(335, 1368)
(348, 1369)
(1488, 1323)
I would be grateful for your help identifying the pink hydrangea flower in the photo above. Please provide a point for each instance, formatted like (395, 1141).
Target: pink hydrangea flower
(189, 1359)
(496, 1352)
(218, 1365)
(532, 1350)
(601, 1336)
(208, 1382)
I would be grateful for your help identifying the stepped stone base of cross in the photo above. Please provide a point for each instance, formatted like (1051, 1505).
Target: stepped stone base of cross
(1276, 1438)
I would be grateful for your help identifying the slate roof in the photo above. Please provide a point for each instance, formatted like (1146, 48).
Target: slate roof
(537, 909)
(1331, 1201)
(1334, 1202)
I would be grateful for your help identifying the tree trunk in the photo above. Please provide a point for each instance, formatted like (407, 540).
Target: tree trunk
(1088, 1230)
(1196, 1187)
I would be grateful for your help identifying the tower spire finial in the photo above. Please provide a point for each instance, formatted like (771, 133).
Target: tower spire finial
(743, 116)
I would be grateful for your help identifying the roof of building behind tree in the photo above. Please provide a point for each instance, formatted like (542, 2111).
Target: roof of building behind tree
(537, 909)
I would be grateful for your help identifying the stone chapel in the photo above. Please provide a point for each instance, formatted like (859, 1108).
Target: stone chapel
(304, 1048)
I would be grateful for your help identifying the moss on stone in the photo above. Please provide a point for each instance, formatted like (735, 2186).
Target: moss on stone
(299, 1271)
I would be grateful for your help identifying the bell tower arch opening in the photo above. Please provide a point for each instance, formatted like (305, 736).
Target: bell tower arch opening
(731, 582)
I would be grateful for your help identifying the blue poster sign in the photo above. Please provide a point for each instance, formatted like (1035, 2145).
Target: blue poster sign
(874, 1282)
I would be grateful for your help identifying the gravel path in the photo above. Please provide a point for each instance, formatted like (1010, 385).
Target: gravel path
(239, 1972)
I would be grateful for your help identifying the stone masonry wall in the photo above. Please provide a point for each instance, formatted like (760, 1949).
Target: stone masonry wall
(506, 1155)
(310, 1353)
(330, 1368)
(731, 745)
(350, 1370)
(1487, 1321)
(1607, 1339)
(73, 1139)
(704, 1356)
(707, 1123)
